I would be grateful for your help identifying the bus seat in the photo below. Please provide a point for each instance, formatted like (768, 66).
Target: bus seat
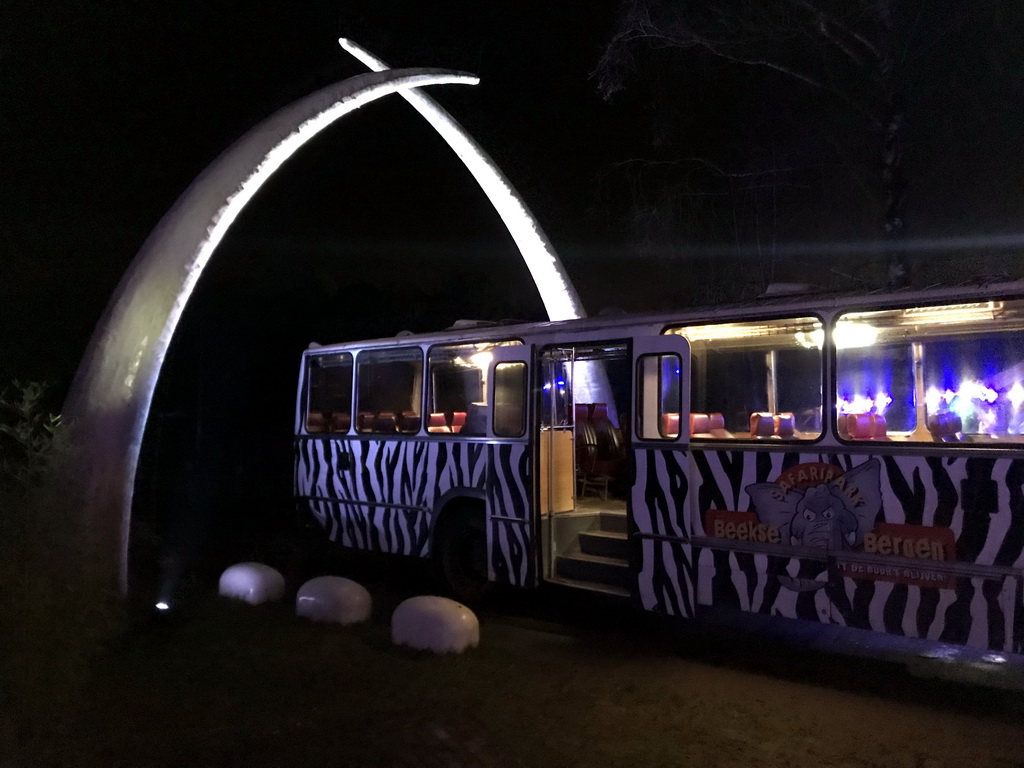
(386, 422)
(611, 452)
(762, 424)
(458, 420)
(438, 424)
(365, 421)
(586, 446)
(476, 421)
(670, 424)
(409, 422)
(340, 422)
(784, 424)
(590, 472)
(716, 425)
(315, 421)
(862, 426)
(700, 424)
(609, 439)
(945, 427)
(858, 426)
(582, 411)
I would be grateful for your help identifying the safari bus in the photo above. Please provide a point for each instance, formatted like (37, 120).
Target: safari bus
(853, 460)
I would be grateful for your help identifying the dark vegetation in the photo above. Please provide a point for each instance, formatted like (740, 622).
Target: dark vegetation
(56, 609)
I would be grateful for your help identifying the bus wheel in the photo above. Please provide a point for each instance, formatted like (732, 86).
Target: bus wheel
(462, 555)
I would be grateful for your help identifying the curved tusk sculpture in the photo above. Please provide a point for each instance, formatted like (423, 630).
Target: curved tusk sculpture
(553, 284)
(110, 397)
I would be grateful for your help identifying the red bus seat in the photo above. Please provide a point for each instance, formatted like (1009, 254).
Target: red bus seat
(315, 421)
(386, 422)
(437, 424)
(785, 424)
(700, 424)
(716, 425)
(762, 424)
(945, 427)
(409, 422)
(365, 421)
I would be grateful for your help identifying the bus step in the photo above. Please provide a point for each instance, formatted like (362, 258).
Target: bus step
(605, 544)
(613, 522)
(594, 568)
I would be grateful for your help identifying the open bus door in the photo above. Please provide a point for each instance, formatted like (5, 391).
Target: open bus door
(661, 553)
(511, 537)
(587, 416)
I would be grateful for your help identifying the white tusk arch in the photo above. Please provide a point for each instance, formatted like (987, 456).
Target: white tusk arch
(553, 284)
(109, 400)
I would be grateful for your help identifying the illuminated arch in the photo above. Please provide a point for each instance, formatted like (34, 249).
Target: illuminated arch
(111, 394)
(556, 290)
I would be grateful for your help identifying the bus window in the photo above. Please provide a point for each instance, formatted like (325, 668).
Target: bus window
(329, 393)
(510, 399)
(457, 389)
(659, 396)
(390, 385)
(933, 374)
(755, 380)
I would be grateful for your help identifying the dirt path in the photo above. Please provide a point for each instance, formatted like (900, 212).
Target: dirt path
(750, 705)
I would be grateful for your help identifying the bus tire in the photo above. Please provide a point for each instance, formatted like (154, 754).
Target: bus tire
(462, 556)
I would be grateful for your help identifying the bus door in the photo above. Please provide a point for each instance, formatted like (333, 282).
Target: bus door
(660, 549)
(511, 538)
(583, 462)
(556, 462)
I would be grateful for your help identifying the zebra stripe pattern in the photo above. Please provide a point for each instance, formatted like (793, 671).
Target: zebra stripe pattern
(979, 499)
(666, 579)
(384, 495)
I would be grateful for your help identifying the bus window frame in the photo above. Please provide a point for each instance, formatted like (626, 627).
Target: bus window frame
(357, 354)
(904, 444)
(308, 359)
(511, 342)
(827, 398)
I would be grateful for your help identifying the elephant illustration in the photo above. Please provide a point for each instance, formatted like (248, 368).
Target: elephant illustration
(823, 518)
(832, 515)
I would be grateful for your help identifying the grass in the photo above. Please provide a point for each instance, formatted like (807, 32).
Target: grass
(221, 683)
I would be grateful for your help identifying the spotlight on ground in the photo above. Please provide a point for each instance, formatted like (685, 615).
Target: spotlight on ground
(162, 606)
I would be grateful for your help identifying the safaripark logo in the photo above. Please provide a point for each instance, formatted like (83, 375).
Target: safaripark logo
(821, 506)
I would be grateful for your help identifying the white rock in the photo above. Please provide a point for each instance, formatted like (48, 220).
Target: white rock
(254, 583)
(435, 624)
(335, 599)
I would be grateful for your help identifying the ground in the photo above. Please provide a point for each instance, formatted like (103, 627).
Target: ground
(555, 682)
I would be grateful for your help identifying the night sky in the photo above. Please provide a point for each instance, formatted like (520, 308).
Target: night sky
(111, 109)
(691, 184)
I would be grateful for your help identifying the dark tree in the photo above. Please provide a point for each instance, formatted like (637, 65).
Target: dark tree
(869, 62)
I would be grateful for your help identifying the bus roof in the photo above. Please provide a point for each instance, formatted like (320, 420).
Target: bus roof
(768, 305)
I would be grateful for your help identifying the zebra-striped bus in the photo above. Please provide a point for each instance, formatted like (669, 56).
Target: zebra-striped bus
(852, 460)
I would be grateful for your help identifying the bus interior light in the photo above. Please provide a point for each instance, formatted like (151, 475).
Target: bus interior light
(957, 313)
(847, 335)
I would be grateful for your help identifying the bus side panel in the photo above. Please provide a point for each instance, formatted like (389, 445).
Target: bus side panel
(969, 610)
(911, 545)
(510, 541)
(756, 582)
(353, 487)
(666, 577)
